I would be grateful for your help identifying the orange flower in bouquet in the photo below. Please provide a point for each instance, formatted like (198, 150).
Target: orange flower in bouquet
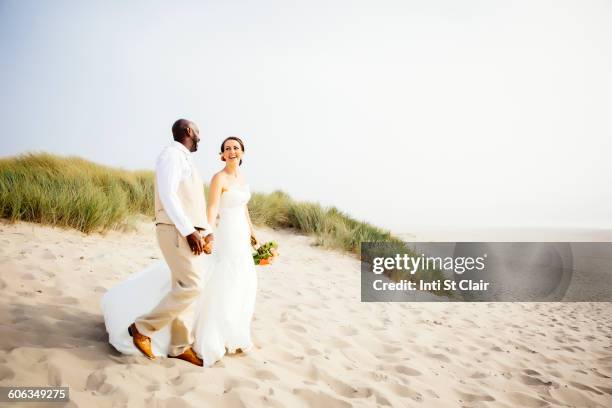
(266, 253)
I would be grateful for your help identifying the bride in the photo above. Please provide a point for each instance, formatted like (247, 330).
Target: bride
(223, 311)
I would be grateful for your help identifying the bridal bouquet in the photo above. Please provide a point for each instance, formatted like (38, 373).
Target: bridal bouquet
(265, 254)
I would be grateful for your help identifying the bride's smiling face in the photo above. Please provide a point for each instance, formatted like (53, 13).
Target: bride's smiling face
(232, 151)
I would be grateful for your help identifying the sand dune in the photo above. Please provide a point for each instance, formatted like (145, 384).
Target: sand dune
(317, 345)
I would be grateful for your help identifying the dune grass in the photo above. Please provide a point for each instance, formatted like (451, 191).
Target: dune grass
(331, 227)
(73, 192)
(76, 193)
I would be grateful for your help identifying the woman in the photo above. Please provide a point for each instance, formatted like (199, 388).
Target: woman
(223, 311)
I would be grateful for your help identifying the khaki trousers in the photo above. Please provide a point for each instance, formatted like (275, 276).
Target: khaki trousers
(176, 307)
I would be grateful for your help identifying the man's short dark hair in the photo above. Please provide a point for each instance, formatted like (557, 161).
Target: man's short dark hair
(179, 129)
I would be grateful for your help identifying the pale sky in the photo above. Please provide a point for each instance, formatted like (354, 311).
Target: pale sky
(402, 113)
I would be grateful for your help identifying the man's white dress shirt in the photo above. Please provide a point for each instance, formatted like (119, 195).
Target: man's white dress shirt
(174, 165)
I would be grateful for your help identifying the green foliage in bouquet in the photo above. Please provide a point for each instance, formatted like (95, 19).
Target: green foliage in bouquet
(265, 252)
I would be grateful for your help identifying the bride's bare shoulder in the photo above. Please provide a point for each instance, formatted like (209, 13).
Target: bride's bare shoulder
(219, 176)
(219, 181)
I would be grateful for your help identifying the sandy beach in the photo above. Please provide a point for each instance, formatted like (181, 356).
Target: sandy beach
(317, 345)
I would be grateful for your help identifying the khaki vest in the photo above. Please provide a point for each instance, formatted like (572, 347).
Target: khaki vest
(191, 196)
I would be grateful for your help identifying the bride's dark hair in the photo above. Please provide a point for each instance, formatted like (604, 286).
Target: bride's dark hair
(236, 139)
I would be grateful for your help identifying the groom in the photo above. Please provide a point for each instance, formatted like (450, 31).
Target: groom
(180, 220)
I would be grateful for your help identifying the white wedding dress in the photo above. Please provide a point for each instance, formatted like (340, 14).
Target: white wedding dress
(223, 311)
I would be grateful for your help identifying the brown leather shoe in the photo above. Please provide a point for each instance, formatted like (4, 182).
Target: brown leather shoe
(190, 356)
(142, 342)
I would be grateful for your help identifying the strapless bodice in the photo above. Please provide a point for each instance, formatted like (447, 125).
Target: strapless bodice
(234, 197)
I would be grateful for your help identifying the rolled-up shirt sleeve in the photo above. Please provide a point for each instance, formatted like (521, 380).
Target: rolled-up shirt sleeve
(168, 172)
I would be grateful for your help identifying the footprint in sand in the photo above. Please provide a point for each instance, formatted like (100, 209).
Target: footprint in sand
(379, 376)
(265, 375)
(533, 381)
(343, 389)
(439, 357)
(339, 387)
(470, 398)
(319, 399)
(432, 393)
(605, 389)
(95, 380)
(6, 373)
(232, 383)
(54, 375)
(153, 387)
(178, 380)
(407, 370)
(478, 374)
(584, 387)
(48, 255)
(406, 392)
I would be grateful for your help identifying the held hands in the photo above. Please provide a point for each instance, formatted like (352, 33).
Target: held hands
(199, 244)
(195, 242)
(208, 243)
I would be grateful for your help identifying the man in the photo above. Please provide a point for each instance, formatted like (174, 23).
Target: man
(180, 219)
